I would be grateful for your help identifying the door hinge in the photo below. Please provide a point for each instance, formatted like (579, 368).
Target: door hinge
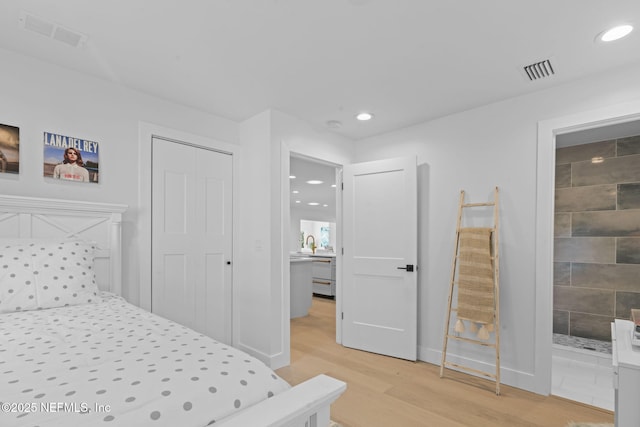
(342, 251)
(342, 315)
(342, 185)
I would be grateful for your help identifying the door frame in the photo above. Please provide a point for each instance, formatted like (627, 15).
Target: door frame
(146, 133)
(547, 131)
(286, 154)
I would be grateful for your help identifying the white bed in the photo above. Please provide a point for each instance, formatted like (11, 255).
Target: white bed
(72, 352)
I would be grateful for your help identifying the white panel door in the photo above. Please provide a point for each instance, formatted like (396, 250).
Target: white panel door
(380, 251)
(192, 237)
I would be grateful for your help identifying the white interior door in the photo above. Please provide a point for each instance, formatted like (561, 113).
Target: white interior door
(379, 294)
(192, 237)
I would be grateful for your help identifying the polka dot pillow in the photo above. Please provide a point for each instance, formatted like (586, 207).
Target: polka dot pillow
(17, 284)
(46, 274)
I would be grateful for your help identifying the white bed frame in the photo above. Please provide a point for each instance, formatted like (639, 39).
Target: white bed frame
(305, 405)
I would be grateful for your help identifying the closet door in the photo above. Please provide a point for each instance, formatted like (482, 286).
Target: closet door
(192, 237)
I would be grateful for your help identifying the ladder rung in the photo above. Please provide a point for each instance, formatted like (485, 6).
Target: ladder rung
(458, 257)
(458, 284)
(470, 205)
(469, 340)
(456, 310)
(466, 368)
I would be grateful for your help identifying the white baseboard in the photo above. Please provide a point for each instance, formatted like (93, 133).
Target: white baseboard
(508, 376)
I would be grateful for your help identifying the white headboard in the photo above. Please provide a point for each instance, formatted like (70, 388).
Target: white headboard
(32, 218)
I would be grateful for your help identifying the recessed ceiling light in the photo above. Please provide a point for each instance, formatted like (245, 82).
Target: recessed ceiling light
(325, 205)
(292, 177)
(313, 203)
(295, 191)
(314, 182)
(297, 201)
(364, 116)
(615, 33)
(333, 186)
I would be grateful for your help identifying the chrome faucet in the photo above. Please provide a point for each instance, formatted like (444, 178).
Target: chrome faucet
(313, 244)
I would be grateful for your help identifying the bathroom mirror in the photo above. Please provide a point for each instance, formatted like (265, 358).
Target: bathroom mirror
(320, 233)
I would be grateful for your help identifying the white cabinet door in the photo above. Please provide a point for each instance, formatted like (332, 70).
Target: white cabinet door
(192, 237)
(380, 251)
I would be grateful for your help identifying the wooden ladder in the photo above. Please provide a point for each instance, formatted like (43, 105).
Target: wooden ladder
(452, 288)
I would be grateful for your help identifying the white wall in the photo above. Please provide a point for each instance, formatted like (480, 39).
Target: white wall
(289, 134)
(473, 150)
(476, 150)
(254, 288)
(266, 141)
(38, 97)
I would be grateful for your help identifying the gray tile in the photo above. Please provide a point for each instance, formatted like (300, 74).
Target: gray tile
(622, 277)
(628, 250)
(606, 223)
(612, 171)
(560, 322)
(628, 146)
(625, 301)
(589, 198)
(562, 225)
(563, 176)
(562, 273)
(577, 153)
(590, 326)
(629, 196)
(583, 300)
(583, 343)
(584, 249)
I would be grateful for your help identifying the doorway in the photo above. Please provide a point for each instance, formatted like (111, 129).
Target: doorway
(595, 257)
(314, 229)
(549, 133)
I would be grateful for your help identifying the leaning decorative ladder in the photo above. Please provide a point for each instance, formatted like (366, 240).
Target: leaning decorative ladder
(475, 284)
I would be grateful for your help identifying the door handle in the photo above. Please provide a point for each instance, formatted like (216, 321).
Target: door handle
(408, 267)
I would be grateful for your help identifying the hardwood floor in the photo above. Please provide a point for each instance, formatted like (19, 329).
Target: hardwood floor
(384, 391)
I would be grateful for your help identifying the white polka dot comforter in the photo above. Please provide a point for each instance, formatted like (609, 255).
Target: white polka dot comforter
(114, 364)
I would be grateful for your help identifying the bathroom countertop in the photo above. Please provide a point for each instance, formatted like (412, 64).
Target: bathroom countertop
(317, 254)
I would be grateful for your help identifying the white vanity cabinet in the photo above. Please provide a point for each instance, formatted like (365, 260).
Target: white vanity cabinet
(300, 290)
(323, 271)
(626, 374)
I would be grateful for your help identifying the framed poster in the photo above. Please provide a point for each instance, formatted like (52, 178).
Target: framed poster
(9, 149)
(71, 159)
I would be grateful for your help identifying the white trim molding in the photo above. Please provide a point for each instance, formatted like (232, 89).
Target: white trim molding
(146, 132)
(547, 132)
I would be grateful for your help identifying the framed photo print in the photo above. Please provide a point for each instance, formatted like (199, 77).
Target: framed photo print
(71, 159)
(9, 149)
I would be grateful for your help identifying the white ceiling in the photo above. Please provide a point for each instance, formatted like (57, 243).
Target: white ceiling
(406, 61)
(324, 194)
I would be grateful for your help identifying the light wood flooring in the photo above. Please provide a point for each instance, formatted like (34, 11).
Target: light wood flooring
(384, 391)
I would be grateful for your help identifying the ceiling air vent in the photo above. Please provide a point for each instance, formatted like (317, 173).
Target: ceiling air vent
(539, 70)
(51, 30)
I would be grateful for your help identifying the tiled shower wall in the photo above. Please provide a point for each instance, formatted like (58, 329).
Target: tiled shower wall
(597, 236)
